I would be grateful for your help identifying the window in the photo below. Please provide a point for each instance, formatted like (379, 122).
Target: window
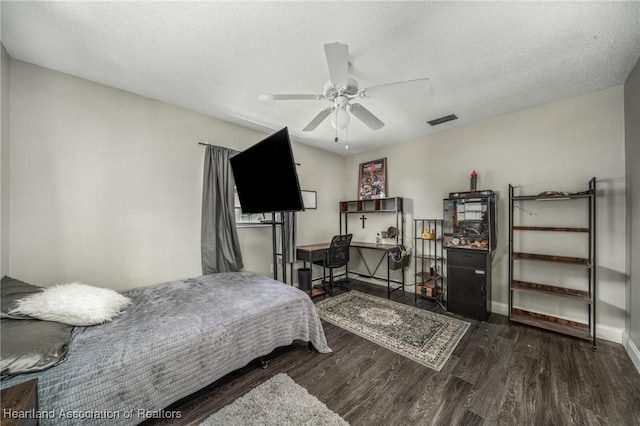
(250, 219)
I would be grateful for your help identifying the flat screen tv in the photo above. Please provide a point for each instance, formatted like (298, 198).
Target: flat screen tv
(266, 177)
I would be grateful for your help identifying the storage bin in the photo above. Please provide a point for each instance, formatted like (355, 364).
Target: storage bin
(304, 279)
(396, 261)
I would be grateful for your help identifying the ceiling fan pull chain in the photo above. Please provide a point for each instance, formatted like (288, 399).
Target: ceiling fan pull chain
(346, 145)
(336, 127)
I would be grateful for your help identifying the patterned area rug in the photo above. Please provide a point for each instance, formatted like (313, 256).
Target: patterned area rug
(278, 401)
(423, 336)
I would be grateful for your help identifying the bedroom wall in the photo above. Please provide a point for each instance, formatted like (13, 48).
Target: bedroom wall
(4, 161)
(559, 146)
(106, 185)
(632, 157)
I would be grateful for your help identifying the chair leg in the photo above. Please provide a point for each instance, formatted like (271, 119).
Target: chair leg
(340, 284)
(325, 283)
(331, 281)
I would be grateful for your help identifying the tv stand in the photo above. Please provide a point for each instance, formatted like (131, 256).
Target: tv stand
(274, 241)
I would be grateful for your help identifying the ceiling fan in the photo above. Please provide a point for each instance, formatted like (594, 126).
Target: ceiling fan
(341, 89)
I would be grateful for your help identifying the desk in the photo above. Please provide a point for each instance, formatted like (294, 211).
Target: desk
(317, 252)
(312, 253)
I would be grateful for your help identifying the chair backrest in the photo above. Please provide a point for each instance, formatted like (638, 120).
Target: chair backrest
(338, 253)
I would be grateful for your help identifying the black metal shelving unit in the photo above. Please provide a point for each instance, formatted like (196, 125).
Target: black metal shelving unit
(583, 330)
(428, 260)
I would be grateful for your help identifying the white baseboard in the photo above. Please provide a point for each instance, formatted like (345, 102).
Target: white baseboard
(500, 308)
(612, 334)
(631, 349)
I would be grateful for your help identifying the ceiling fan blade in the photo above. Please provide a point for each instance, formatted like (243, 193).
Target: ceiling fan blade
(409, 87)
(338, 62)
(289, 97)
(317, 119)
(366, 117)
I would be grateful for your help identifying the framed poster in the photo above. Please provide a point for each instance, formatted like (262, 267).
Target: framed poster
(309, 199)
(372, 180)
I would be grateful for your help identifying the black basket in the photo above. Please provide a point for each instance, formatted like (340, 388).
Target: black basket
(397, 260)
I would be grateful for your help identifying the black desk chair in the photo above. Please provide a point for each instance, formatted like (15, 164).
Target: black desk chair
(337, 256)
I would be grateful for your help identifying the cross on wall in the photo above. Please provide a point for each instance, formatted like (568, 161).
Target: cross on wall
(363, 218)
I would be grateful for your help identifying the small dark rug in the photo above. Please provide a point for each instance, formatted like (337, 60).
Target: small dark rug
(423, 336)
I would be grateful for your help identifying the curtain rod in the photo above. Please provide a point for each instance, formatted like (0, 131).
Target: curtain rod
(207, 144)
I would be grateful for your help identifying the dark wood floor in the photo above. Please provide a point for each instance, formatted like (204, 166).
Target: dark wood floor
(498, 374)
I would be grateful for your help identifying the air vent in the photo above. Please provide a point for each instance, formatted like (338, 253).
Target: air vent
(442, 119)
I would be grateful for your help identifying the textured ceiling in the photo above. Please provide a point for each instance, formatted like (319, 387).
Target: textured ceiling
(484, 59)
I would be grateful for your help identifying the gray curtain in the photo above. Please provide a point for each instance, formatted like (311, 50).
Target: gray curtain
(219, 238)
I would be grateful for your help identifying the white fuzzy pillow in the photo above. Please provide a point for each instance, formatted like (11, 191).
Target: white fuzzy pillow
(73, 304)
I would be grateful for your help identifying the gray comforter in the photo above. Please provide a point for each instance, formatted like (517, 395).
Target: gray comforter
(174, 339)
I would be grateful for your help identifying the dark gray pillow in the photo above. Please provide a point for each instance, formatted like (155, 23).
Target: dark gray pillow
(12, 290)
(32, 345)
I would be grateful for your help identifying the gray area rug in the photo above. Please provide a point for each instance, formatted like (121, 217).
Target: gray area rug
(423, 336)
(278, 401)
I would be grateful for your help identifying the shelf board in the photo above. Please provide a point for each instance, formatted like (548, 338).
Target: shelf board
(428, 277)
(428, 239)
(372, 211)
(552, 197)
(465, 235)
(550, 290)
(566, 260)
(550, 228)
(551, 323)
(428, 256)
(315, 292)
(374, 205)
(429, 297)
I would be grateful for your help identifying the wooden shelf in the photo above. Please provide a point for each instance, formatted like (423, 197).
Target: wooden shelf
(549, 228)
(550, 290)
(315, 292)
(552, 197)
(392, 204)
(566, 260)
(427, 256)
(551, 323)
(562, 295)
(427, 277)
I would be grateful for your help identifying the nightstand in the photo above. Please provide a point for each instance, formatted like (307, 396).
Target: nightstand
(21, 398)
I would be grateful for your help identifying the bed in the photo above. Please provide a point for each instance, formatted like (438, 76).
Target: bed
(174, 339)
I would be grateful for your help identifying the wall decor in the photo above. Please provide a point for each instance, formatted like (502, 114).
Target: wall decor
(372, 179)
(309, 199)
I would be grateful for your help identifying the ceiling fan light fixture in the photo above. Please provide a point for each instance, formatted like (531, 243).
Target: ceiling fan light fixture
(340, 118)
(341, 90)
